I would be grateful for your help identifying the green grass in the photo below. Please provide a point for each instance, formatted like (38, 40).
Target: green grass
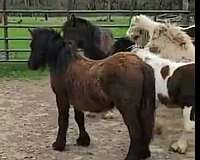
(19, 70)
(21, 32)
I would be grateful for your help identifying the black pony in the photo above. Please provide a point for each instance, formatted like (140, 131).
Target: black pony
(123, 44)
(95, 41)
(123, 81)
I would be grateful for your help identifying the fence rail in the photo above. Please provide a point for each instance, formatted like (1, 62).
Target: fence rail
(6, 26)
(97, 11)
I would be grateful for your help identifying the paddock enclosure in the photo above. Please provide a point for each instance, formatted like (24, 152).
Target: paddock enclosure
(15, 39)
(28, 121)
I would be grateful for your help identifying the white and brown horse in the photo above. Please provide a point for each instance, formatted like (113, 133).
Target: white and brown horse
(170, 41)
(142, 27)
(175, 87)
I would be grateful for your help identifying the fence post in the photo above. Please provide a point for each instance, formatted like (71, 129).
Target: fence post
(5, 23)
(69, 7)
(185, 6)
(131, 15)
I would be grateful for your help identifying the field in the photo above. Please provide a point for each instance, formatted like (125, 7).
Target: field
(21, 32)
(19, 70)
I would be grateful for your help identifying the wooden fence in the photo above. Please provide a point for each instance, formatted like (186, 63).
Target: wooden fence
(6, 38)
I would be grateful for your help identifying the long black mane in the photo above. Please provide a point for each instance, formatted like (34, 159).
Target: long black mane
(49, 48)
(123, 44)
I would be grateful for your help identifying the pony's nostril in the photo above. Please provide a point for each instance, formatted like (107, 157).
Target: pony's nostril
(154, 49)
(135, 37)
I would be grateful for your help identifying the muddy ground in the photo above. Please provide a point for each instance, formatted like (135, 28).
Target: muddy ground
(28, 127)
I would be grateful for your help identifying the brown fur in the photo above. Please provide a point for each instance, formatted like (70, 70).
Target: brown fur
(165, 71)
(122, 80)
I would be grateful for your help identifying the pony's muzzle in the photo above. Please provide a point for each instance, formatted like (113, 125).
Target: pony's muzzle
(154, 49)
(31, 66)
(135, 38)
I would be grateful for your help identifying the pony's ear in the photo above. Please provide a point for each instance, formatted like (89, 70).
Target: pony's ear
(30, 31)
(73, 20)
(59, 32)
(72, 17)
(162, 29)
(136, 19)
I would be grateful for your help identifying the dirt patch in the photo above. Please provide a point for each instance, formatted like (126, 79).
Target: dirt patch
(28, 127)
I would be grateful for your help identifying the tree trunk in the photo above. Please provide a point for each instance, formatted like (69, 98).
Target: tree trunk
(109, 8)
(69, 4)
(11, 2)
(69, 7)
(185, 5)
(25, 3)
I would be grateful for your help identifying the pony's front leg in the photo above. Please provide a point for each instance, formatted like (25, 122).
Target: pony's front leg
(84, 139)
(182, 144)
(63, 116)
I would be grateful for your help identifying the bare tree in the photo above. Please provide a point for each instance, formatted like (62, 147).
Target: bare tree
(185, 4)
(109, 8)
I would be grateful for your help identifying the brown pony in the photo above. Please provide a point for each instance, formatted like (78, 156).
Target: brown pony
(121, 80)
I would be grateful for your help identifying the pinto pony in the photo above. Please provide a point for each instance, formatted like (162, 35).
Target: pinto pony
(121, 80)
(170, 41)
(175, 87)
(141, 29)
(123, 44)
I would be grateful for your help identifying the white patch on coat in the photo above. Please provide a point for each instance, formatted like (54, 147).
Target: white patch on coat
(181, 145)
(188, 124)
(157, 63)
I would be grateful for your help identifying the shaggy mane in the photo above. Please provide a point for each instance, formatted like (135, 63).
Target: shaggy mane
(176, 35)
(145, 22)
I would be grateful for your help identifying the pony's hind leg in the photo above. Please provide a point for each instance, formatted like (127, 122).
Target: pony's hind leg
(84, 139)
(139, 141)
(63, 116)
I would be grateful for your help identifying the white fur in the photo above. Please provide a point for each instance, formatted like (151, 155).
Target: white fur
(173, 43)
(188, 124)
(181, 145)
(143, 22)
(157, 63)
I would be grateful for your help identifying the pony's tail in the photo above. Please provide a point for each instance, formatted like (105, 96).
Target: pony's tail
(147, 113)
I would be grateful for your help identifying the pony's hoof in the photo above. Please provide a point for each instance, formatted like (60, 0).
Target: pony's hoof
(58, 146)
(83, 140)
(145, 155)
(108, 115)
(132, 158)
(91, 115)
(179, 147)
(158, 129)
